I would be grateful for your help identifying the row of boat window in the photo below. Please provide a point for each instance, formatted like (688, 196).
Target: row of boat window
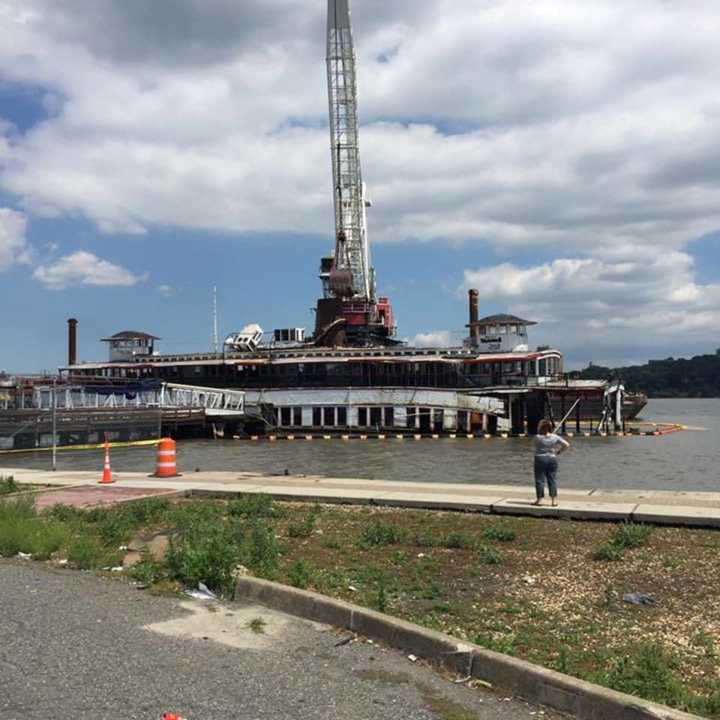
(370, 417)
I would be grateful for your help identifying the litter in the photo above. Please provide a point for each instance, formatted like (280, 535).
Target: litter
(412, 658)
(118, 568)
(172, 716)
(639, 598)
(345, 641)
(528, 579)
(202, 593)
(24, 556)
(352, 588)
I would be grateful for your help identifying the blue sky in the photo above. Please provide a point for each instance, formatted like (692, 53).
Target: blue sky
(534, 157)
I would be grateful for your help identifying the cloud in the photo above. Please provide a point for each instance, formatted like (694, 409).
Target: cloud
(617, 301)
(84, 268)
(438, 338)
(546, 127)
(166, 290)
(13, 247)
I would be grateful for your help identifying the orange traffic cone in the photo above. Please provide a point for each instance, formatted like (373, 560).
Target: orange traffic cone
(172, 716)
(107, 473)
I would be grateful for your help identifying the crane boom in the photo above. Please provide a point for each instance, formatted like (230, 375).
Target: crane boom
(352, 254)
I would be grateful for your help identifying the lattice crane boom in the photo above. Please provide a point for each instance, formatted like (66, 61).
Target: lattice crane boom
(353, 275)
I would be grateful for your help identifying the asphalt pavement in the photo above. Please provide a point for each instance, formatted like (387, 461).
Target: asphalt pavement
(74, 646)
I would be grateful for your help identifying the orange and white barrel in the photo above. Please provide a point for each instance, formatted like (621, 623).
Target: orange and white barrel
(166, 459)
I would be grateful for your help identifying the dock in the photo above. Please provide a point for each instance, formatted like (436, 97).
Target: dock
(662, 507)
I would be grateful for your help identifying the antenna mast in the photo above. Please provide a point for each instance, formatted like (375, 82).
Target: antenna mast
(216, 344)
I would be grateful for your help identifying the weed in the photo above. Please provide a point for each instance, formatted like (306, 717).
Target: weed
(489, 555)
(254, 506)
(562, 662)
(8, 485)
(381, 600)
(631, 535)
(330, 544)
(707, 643)
(206, 549)
(48, 538)
(608, 551)
(262, 551)
(166, 588)
(648, 672)
(301, 574)
(672, 563)
(426, 538)
(87, 552)
(503, 644)
(257, 625)
(455, 540)
(501, 533)
(399, 557)
(147, 571)
(64, 513)
(302, 529)
(431, 591)
(379, 532)
(442, 607)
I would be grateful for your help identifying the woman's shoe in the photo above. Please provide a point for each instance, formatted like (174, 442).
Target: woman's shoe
(538, 502)
(554, 502)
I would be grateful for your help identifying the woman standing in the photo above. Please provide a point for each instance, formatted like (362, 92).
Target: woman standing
(548, 446)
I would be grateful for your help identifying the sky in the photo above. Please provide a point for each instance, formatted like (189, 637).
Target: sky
(563, 158)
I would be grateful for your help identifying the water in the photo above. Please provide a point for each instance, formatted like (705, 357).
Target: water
(685, 460)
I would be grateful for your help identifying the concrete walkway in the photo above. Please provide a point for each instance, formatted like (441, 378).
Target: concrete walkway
(699, 509)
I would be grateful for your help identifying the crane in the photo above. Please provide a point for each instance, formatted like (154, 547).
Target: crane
(349, 312)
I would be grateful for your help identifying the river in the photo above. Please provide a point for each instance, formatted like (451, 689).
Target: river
(685, 460)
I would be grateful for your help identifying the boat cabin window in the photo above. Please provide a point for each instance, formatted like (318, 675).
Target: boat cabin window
(285, 416)
(329, 416)
(375, 416)
(297, 416)
(389, 417)
(410, 413)
(317, 416)
(342, 416)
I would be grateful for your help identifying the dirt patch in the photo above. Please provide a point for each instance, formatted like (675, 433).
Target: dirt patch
(88, 496)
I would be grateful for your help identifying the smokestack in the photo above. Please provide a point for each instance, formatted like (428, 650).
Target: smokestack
(72, 341)
(473, 298)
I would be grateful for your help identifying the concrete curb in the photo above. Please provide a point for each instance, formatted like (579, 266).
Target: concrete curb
(532, 682)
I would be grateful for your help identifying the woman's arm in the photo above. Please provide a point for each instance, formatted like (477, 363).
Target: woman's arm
(563, 445)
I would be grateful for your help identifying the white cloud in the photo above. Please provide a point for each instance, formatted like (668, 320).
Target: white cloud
(84, 268)
(166, 290)
(588, 302)
(13, 247)
(484, 121)
(438, 338)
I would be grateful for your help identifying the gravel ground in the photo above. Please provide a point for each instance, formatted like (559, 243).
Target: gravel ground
(76, 646)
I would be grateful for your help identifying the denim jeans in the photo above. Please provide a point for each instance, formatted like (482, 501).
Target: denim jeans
(545, 470)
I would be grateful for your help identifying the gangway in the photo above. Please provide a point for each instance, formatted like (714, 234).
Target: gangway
(216, 402)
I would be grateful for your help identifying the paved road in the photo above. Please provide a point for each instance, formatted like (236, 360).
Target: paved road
(74, 647)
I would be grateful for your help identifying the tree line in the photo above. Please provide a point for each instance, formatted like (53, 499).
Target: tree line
(694, 378)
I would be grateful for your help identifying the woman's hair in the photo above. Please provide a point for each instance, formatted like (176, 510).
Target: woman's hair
(544, 426)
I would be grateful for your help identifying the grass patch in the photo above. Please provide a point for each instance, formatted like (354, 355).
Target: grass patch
(8, 485)
(302, 529)
(300, 574)
(380, 532)
(489, 555)
(456, 540)
(501, 533)
(257, 625)
(254, 506)
(631, 535)
(608, 551)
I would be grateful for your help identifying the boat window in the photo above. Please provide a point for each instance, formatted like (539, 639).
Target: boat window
(410, 422)
(389, 416)
(285, 416)
(297, 416)
(317, 416)
(342, 416)
(512, 329)
(329, 416)
(375, 416)
(362, 417)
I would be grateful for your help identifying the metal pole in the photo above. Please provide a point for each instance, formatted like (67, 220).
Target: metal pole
(54, 424)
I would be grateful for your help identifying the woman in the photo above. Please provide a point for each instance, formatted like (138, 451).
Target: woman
(548, 446)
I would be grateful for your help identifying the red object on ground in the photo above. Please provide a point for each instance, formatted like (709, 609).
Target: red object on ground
(172, 716)
(166, 459)
(107, 473)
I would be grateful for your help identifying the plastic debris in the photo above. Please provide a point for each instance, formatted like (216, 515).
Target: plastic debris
(528, 579)
(172, 716)
(352, 588)
(122, 548)
(412, 658)
(202, 593)
(62, 562)
(24, 556)
(639, 598)
(118, 568)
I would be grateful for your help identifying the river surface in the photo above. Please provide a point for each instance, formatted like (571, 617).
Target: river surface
(687, 460)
